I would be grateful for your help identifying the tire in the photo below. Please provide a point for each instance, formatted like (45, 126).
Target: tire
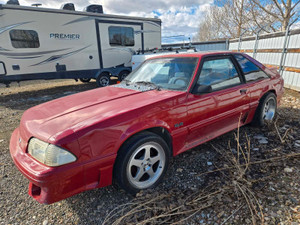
(266, 110)
(141, 162)
(103, 80)
(85, 80)
(123, 74)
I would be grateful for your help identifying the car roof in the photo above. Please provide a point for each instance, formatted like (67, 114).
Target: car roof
(194, 54)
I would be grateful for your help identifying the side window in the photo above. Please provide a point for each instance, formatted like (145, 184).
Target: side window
(219, 74)
(24, 39)
(121, 36)
(250, 70)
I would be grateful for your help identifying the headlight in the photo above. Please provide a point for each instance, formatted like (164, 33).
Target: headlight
(49, 154)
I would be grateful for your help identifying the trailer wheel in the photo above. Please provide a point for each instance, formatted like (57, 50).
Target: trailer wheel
(103, 80)
(123, 74)
(85, 80)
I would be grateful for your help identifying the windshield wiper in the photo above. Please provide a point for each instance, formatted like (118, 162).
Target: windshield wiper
(148, 83)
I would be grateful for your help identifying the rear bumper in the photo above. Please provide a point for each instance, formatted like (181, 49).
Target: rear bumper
(51, 184)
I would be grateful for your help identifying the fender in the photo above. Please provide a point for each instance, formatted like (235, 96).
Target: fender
(139, 127)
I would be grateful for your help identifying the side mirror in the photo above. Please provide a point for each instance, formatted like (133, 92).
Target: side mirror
(202, 89)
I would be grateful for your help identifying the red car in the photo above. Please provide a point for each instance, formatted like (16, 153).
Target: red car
(129, 131)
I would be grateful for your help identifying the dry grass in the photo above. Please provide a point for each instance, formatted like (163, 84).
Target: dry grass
(175, 207)
(238, 166)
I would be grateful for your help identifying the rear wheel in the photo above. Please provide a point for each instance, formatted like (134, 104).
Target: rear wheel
(123, 74)
(141, 162)
(266, 110)
(103, 80)
(85, 80)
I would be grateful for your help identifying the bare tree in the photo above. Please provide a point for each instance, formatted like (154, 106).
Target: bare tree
(237, 14)
(260, 20)
(212, 27)
(283, 11)
(233, 18)
(239, 11)
(227, 19)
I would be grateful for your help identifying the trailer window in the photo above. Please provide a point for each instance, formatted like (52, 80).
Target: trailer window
(121, 36)
(24, 39)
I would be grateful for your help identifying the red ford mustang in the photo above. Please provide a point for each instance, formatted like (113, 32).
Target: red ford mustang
(128, 132)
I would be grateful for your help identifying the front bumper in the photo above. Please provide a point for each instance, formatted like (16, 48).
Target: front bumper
(51, 184)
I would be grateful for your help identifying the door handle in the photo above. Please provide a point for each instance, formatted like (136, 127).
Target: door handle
(243, 91)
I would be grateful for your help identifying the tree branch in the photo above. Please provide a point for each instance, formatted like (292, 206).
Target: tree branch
(264, 9)
(295, 5)
(285, 6)
(278, 6)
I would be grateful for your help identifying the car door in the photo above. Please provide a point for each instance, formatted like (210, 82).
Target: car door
(217, 112)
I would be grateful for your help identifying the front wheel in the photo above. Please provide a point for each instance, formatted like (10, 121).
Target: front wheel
(141, 162)
(266, 110)
(103, 80)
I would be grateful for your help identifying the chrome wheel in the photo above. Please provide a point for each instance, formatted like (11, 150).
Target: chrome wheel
(146, 165)
(269, 109)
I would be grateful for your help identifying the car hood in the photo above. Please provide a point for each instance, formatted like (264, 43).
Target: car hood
(62, 116)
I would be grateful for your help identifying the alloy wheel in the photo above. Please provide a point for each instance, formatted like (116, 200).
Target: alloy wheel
(146, 165)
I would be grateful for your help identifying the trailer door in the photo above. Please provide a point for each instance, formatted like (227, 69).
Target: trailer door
(117, 40)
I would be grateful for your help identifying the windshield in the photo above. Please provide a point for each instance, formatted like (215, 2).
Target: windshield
(165, 73)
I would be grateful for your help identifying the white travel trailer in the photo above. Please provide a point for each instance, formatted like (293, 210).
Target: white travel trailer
(40, 43)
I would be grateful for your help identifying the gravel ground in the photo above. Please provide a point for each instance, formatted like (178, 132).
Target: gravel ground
(277, 185)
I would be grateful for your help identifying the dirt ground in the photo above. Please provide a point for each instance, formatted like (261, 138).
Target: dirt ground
(203, 186)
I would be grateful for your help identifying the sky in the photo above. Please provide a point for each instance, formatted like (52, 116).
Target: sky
(179, 18)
